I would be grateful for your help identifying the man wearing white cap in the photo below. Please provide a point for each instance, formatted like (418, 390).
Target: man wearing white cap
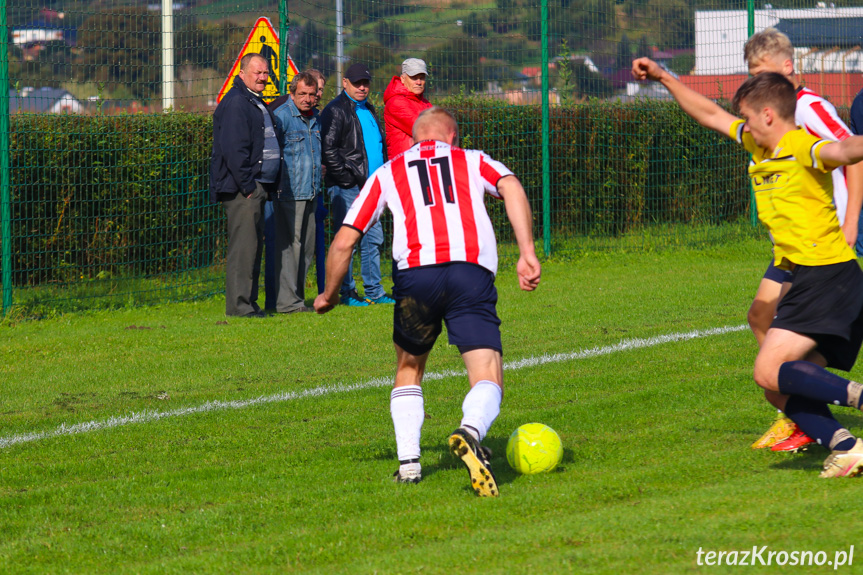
(403, 102)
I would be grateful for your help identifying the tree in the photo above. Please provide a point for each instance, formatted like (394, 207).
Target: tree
(122, 51)
(643, 48)
(624, 52)
(474, 27)
(315, 48)
(209, 45)
(388, 33)
(590, 84)
(456, 64)
(565, 83)
(586, 18)
(360, 11)
(371, 54)
(678, 23)
(52, 66)
(682, 64)
(506, 17)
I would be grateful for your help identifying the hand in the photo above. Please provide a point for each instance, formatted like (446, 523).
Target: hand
(323, 304)
(646, 69)
(850, 232)
(529, 271)
(258, 188)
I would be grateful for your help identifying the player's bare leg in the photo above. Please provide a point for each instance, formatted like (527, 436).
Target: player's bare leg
(483, 365)
(763, 308)
(480, 408)
(407, 408)
(792, 372)
(760, 316)
(779, 346)
(784, 435)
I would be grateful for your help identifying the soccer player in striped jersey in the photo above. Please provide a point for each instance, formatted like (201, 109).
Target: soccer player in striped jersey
(771, 51)
(445, 261)
(819, 320)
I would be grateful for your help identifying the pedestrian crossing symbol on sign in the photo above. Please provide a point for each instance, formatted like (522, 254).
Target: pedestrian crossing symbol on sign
(263, 40)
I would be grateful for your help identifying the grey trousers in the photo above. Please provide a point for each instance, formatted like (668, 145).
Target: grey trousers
(295, 249)
(245, 245)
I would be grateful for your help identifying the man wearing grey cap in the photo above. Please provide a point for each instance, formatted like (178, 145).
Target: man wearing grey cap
(352, 148)
(403, 102)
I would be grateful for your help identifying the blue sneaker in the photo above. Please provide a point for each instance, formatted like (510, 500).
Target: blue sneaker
(383, 299)
(353, 300)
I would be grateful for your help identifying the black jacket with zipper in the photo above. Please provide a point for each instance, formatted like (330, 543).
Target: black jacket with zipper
(343, 150)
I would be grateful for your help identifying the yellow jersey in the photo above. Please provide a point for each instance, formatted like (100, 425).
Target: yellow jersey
(794, 196)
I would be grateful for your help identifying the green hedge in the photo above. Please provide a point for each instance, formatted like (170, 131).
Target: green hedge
(110, 196)
(126, 196)
(615, 167)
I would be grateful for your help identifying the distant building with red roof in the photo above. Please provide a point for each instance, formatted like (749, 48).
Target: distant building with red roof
(838, 89)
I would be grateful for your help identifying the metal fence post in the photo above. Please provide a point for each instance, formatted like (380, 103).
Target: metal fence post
(546, 164)
(750, 30)
(5, 192)
(167, 55)
(283, 46)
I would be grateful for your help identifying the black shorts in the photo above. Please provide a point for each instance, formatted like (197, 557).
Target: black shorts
(460, 294)
(825, 303)
(777, 275)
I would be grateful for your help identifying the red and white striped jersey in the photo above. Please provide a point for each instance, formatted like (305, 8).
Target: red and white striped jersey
(435, 192)
(818, 117)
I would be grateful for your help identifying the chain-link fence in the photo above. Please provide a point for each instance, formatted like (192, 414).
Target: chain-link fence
(105, 129)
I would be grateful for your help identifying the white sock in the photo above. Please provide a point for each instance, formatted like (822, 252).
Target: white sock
(408, 412)
(481, 407)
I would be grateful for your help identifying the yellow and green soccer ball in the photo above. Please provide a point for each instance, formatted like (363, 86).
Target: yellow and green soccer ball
(534, 448)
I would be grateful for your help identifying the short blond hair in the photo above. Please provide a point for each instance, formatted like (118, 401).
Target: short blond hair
(770, 42)
(435, 124)
(244, 61)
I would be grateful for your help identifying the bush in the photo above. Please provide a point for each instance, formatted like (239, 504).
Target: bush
(614, 167)
(127, 196)
(110, 196)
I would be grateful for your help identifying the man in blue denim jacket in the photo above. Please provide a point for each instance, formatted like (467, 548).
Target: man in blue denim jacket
(294, 206)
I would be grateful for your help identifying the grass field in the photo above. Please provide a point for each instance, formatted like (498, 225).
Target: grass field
(169, 440)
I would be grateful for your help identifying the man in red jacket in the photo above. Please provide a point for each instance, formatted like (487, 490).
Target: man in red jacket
(403, 102)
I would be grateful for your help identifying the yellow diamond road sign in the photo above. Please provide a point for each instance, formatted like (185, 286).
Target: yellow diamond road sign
(264, 41)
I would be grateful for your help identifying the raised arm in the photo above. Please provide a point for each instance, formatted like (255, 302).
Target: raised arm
(519, 214)
(703, 110)
(848, 151)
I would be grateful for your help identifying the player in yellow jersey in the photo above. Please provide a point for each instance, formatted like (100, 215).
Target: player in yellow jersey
(819, 322)
(771, 51)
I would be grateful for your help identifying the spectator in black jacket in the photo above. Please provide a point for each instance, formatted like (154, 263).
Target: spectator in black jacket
(352, 148)
(244, 170)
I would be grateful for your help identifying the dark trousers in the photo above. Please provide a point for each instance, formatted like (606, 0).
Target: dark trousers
(295, 246)
(245, 245)
(270, 256)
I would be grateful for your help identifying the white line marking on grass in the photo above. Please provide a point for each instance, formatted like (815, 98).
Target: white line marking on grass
(625, 345)
(149, 416)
